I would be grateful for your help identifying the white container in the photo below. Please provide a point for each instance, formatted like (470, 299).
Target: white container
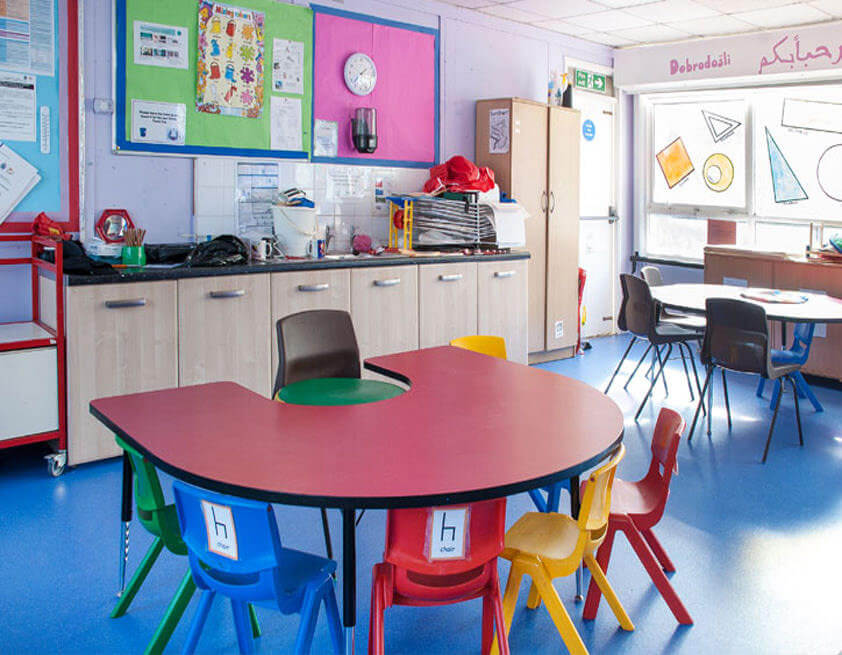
(295, 229)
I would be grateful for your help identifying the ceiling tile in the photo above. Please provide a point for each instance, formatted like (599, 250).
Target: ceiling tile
(607, 38)
(621, 4)
(737, 6)
(653, 34)
(831, 7)
(510, 13)
(715, 25)
(557, 8)
(471, 4)
(667, 11)
(560, 26)
(609, 21)
(783, 16)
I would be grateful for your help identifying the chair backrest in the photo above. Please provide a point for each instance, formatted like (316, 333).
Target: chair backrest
(737, 336)
(640, 311)
(802, 337)
(316, 344)
(233, 543)
(652, 275)
(621, 315)
(417, 539)
(665, 439)
(596, 501)
(484, 344)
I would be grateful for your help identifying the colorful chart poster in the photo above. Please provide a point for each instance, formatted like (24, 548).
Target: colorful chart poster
(288, 66)
(26, 36)
(160, 45)
(230, 61)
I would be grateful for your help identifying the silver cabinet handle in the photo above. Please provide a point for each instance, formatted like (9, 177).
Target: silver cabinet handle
(232, 293)
(454, 277)
(120, 304)
(504, 273)
(552, 202)
(544, 201)
(324, 286)
(391, 282)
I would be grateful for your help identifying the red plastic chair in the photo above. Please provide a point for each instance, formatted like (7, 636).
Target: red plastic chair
(412, 574)
(636, 507)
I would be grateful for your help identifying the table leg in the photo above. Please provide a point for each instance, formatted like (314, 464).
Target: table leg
(783, 335)
(125, 520)
(349, 577)
(575, 504)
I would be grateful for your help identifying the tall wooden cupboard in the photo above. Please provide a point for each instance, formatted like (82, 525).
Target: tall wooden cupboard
(539, 167)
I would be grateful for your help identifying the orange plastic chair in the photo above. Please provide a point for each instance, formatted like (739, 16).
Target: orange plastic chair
(546, 546)
(486, 345)
(637, 507)
(419, 570)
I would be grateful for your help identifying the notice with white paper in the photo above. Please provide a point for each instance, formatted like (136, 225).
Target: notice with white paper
(222, 535)
(160, 45)
(17, 178)
(159, 122)
(498, 131)
(286, 123)
(325, 138)
(17, 107)
(447, 533)
(287, 66)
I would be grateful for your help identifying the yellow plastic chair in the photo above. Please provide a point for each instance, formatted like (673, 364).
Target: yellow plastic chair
(546, 546)
(486, 345)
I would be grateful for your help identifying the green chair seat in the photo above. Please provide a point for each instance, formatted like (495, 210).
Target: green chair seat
(337, 391)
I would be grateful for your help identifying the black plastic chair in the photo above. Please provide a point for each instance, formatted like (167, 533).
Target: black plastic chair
(641, 318)
(737, 339)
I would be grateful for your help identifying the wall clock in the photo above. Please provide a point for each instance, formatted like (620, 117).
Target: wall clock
(360, 74)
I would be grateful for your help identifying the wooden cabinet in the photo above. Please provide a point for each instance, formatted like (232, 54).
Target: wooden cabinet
(121, 338)
(502, 304)
(224, 331)
(447, 302)
(384, 308)
(541, 171)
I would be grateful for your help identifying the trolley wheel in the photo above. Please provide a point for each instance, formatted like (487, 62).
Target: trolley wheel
(56, 463)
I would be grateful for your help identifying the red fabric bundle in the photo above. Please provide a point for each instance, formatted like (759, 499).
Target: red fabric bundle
(459, 174)
(44, 226)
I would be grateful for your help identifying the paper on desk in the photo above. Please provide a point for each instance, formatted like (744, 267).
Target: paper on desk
(17, 177)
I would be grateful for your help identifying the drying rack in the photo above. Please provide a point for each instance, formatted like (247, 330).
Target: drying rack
(458, 220)
(25, 335)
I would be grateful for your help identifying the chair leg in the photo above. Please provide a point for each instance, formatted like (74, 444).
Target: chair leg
(776, 390)
(137, 579)
(326, 531)
(608, 592)
(797, 409)
(559, 615)
(533, 601)
(710, 403)
(603, 558)
(771, 429)
(307, 621)
(663, 372)
(658, 549)
(727, 402)
(639, 362)
(761, 385)
(701, 402)
(799, 378)
(241, 624)
(654, 381)
(553, 497)
(538, 500)
(686, 370)
(499, 618)
(255, 625)
(172, 616)
(509, 601)
(487, 623)
(334, 625)
(376, 641)
(695, 373)
(205, 602)
(622, 359)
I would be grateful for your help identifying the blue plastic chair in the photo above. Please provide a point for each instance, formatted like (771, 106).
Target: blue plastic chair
(553, 491)
(235, 550)
(802, 338)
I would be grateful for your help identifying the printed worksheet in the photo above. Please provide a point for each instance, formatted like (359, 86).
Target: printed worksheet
(288, 66)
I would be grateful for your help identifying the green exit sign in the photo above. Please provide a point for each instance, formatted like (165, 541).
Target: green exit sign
(591, 81)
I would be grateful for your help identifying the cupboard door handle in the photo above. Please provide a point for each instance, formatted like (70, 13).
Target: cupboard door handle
(453, 277)
(120, 304)
(504, 273)
(324, 286)
(232, 293)
(543, 201)
(552, 202)
(391, 282)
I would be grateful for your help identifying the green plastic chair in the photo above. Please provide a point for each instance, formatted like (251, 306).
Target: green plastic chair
(161, 521)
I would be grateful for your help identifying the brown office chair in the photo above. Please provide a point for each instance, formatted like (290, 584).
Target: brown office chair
(737, 339)
(316, 344)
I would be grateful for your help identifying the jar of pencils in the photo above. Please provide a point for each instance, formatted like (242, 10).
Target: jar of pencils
(133, 253)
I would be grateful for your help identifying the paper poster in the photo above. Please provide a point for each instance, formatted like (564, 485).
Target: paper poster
(160, 45)
(288, 66)
(286, 123)
(26, 36)
(17, 178)
(230, 61)
(498, 131)
(447, 532)
(17, 106)
(222, 535)
(159, 122)
(325, 138)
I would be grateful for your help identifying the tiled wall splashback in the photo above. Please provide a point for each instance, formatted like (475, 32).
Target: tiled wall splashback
(345, 196)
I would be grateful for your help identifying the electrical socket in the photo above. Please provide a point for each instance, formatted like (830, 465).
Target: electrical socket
(103, 106)
(559, 329)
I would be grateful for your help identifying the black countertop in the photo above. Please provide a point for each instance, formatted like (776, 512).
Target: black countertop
(148, 274)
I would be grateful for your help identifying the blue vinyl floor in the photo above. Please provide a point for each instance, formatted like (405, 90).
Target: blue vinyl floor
(758, 549)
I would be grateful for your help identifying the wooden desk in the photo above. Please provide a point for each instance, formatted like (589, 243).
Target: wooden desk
(469, 428)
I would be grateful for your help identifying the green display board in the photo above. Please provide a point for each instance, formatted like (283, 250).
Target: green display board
(206, 133)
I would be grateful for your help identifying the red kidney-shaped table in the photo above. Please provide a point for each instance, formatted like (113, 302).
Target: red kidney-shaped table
(470, 427)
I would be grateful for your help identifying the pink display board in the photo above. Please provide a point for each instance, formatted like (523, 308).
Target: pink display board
(406, 94)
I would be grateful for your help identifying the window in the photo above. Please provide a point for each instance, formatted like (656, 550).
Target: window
(751, 167)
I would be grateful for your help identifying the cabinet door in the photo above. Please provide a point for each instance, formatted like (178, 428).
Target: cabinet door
(223, 331)
(298, 291)
(447, 302)
(121, 338)
(384, 307)
(563, 230)
(529, 188)
(503, 311)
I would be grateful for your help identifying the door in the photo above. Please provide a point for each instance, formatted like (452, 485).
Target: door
(447, 302)
(502, 288)
(597, 251)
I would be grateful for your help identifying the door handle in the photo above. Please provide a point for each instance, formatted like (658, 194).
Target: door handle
(552, 202)
(324, 286)
(543, 201)
(450, 278)
(120, 304)
(391, 282)
(504, 273)
(231, 293)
